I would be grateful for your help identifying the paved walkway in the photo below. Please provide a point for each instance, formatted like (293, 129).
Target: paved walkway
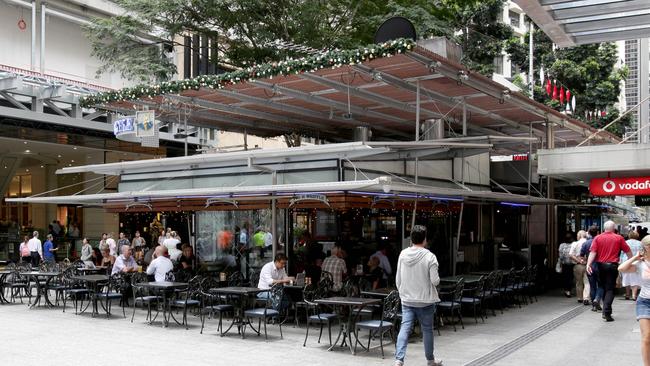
(49, 337)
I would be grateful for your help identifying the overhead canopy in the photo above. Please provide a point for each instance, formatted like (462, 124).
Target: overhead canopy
(327, 96)
(382, 186)
(574, 22)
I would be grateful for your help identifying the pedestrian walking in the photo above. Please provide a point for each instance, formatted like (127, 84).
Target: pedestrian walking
(606, 251)
(417, 278)
(595, 288)
(579, 268)
(567, 264)
(640, 265)
(631, 280)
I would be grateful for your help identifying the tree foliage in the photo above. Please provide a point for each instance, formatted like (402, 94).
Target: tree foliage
(247, 30)
(588, 71)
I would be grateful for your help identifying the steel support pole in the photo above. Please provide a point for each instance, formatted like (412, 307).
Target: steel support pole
(274, 216)
(417, 138)
(551, 210)
(43, 9)
(531, 70)
(644, 108)
(464, 117)
(32, 64)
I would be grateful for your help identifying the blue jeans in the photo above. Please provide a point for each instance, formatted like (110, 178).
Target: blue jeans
(596, 291)
(425, 316)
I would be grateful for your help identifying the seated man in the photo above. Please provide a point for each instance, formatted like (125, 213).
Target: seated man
(125, 262)
(273, 273)
(161, 264)
(335, 264)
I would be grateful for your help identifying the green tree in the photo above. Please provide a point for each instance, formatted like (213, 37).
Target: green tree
(588, 71)
(247, 29)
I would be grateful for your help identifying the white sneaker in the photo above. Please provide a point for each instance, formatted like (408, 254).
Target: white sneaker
(434, 363)
(398, 363)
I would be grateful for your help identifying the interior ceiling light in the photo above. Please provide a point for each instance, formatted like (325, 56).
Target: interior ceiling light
(27, 151)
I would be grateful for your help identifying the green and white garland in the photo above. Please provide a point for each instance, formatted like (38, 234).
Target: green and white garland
(331, 59)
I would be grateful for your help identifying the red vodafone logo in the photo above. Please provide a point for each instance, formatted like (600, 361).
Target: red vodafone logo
(620, 186)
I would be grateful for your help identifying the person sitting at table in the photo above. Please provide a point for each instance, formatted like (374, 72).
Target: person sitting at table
(108, 260)
(335, 265)
(97, 257)
(87, 254)
(375, 273)
(186, 260)
(161, 264)
(273, 273)
(125, 262)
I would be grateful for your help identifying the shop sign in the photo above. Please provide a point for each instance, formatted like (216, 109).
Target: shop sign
(124, 125)
(310, 197)
(630, 186)
(145, 123)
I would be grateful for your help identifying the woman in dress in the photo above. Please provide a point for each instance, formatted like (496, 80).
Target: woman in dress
(640, 264)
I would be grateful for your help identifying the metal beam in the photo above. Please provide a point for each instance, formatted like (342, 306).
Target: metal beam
(246, 112)
(599, 9)
(373, 97)
(13, 100)
(94, 115)
(314, 99)
(451, 102)
(55, 108)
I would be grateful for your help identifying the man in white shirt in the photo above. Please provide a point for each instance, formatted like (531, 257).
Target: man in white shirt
(112, 245)
(384, 263)
(160, 265)
(125, 262)
(273, 273)
(35, 249)
(268, 239)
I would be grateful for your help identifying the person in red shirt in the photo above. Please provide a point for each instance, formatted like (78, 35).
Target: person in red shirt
(605, 250)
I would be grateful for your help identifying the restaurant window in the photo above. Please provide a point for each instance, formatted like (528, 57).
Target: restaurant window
(228, 241)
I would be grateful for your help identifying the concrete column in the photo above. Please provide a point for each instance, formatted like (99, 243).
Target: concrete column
(551, 210)
(644, 108)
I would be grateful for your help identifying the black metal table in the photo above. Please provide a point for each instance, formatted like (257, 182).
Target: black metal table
(469, 279)
(41, 289)
(346, 329)
(3, 282)
(91, 271)
(243, 295)
(94, 283)
(165, 288)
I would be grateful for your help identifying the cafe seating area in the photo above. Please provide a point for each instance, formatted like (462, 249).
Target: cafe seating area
(356, 318)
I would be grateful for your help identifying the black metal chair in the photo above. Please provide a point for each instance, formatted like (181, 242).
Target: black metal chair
(473, 297)
(315, 315)
(73, 290)
(253, 278)
(236, 279)
(451, 302)
(189, 298)
(110, 292)
(506, 289)
(213, 304)
(141, 295)
(18, 284)
(270, 311)
(387, 322)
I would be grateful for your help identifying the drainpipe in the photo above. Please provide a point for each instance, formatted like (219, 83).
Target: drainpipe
(43, 9)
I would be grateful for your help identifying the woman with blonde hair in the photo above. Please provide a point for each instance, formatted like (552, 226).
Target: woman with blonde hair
(640, 265)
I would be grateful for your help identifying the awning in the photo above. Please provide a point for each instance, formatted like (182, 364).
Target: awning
(327, 96)
(574, 22)
(383, 186)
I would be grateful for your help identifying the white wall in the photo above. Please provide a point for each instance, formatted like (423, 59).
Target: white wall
(67, 51)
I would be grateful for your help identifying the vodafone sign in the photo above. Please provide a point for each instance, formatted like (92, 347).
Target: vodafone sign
(620, 186)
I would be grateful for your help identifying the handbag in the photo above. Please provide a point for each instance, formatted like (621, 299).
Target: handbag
(558, 266)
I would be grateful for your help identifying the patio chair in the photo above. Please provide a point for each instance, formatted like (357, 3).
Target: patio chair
(451, 302)
(141, 295)
(189, 298)
(315, 315)
(213, 304)
(110, 292)
(269, 312)
(506, 288)
(18, 284)
(387, 322)
(73, 290)
(473, 297)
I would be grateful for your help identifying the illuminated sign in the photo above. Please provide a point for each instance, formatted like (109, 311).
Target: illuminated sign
(620, 186)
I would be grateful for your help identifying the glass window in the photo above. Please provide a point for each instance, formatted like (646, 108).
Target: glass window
(514, 18)
(498, 65)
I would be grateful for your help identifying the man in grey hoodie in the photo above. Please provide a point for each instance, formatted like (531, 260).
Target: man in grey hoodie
(417, 278)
